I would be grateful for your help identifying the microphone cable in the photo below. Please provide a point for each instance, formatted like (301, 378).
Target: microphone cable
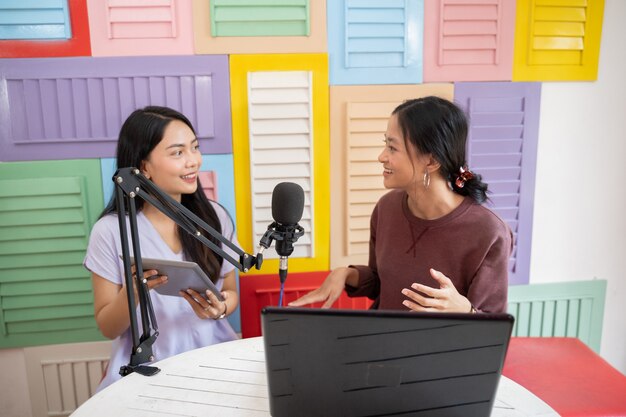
(280, 296)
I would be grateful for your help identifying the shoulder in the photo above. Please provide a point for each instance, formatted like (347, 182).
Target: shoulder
(391, 202)
(484, 218)
(227, 222)
(105, 225)
(393, 198)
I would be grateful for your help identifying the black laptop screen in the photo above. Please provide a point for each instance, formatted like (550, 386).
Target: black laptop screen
(378, 363)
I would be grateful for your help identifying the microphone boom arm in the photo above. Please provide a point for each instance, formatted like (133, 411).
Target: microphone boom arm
(130, 183)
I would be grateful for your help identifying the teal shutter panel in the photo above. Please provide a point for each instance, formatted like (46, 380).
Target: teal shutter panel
(46, 213)
(260, 18)
(559, 309)
(34, 19)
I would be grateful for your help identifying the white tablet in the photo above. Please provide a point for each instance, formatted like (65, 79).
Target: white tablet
(181, 275)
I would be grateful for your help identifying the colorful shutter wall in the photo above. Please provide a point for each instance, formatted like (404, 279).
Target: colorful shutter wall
(280, 110)
(44, 28)
(74, 107)
(468, 40)
(557, 40)
(260, 18)
(375, 42)
(38, 20)
(249, 35)
(46, 213)
(502, 147)
(147, 27)
(359, 116)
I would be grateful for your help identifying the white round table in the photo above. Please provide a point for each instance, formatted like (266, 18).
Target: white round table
(229, 379)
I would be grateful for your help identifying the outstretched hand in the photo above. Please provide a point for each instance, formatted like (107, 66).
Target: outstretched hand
(328, 293)
(446, 298)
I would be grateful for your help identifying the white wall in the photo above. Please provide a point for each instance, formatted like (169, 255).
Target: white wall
(579, 228)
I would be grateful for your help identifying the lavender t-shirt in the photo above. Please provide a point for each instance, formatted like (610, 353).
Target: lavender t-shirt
(180, 329)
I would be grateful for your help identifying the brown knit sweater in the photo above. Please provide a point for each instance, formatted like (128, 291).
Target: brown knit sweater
(471, 246)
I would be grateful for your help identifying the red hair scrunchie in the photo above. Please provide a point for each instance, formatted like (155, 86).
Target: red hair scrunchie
(464, 175)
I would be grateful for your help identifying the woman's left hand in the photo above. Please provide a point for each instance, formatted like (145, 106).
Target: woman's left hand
(206, 306)
(443, 299)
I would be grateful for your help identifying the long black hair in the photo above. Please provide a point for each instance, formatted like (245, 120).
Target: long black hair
(140, 134)
(439, 127)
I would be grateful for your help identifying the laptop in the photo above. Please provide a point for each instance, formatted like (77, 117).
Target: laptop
(380, 363)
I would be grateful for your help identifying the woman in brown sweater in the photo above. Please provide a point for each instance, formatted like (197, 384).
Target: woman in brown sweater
(433, 246)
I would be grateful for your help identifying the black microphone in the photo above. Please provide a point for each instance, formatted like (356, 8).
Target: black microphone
(287, 208)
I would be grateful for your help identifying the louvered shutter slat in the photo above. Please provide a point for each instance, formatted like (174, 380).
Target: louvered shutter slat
(87, 101)
(279, 106)
(35, 20)
(375, 42)
(558, 40)
(43, 287)
(260, 18)
(502, 148)
(468, 40)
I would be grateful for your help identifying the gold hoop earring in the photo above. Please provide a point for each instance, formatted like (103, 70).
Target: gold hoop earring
(426, 179)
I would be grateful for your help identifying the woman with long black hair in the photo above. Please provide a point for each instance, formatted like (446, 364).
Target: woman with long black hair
(162, 143)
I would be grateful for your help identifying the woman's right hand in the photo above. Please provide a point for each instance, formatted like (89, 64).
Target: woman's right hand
(152, 278)
(111, 301)
(328, 293)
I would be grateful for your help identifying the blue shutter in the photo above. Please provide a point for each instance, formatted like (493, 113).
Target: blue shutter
(34, 19)
(375, 41)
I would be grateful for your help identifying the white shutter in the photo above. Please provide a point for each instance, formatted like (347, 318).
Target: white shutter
(281, 148)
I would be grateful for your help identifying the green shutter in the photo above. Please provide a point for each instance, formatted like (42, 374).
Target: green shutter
(562, 309)
(46, 213)
(260, 18)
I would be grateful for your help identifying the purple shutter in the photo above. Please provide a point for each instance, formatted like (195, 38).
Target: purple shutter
(63, 108)
(502, 147)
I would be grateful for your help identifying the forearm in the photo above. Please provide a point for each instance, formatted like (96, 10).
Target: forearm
(113, 318)
(363, 282)
(110, 307)
(232, 296)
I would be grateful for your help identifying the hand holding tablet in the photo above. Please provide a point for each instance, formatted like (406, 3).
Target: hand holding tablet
(181, 275)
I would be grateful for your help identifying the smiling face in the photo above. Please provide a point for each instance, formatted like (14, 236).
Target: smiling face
(174, 163)
(402, 166)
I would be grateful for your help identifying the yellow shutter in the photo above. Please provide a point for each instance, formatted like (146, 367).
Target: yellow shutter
(557, 40)
(280, 133)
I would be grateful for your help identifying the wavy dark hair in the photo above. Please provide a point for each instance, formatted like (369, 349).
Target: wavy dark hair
(439, 127)
(140, 134)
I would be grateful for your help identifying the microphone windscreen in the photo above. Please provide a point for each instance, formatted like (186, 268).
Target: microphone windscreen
(287, 203)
